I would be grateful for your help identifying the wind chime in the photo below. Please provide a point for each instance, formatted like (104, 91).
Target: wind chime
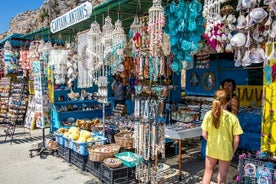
(95, 50)
(107, 29)
(135, 31)
(85, 79)
(155, 29)
(118, 44)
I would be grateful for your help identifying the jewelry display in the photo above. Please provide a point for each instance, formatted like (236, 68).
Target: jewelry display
(150, 133)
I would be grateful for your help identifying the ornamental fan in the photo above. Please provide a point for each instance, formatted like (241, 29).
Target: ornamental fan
(94, 48)
(118, 44)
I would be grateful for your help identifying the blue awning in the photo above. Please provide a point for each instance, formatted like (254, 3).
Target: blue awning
(15, 39)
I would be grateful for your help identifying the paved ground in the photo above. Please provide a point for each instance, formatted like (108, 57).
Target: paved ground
(16, 167)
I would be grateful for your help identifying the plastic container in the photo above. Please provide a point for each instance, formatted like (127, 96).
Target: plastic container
(94, 168)
(114, 175)
(82, 147)
(67, 142)
(78, 160)
(129, 159)
(64, 153)
(59, 138)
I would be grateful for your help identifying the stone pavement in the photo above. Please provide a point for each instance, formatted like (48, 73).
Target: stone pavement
(17, 167)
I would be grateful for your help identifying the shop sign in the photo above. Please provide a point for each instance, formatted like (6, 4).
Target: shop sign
(74, 16)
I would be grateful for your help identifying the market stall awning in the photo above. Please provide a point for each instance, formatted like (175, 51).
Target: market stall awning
(125, 10)
(15, 39)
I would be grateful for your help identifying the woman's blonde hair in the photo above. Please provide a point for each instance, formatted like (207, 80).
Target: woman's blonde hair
(221, 98)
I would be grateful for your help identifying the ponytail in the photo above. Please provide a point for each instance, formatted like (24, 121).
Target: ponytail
(216, 111)
(221, 98)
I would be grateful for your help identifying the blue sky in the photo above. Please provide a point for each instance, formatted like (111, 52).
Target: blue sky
(10, 8)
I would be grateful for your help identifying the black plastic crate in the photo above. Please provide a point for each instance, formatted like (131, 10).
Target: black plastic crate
(94, 168)
(78, 160)
(64, 153)
(131, 173)
(114, 175)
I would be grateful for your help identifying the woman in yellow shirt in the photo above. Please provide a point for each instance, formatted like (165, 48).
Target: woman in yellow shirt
(222, 131)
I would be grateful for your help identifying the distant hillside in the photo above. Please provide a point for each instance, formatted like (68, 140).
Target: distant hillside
(29, 21)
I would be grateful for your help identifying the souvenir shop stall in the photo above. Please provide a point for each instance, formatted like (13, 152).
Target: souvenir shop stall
(210, 41)
(138, 134)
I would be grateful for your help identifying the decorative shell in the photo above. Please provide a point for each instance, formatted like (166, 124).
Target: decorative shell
(238, 40)
(258, 14)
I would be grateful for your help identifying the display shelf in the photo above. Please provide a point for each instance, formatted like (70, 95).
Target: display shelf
(59, 116)
(5, 83)
(77, 102)
(18, 101)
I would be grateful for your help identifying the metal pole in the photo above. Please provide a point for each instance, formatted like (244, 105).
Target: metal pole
(103, 119)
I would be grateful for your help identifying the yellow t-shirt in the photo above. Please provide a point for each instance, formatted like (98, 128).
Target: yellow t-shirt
(220, 141)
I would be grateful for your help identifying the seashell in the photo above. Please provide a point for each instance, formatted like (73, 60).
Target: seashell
(256, 35)
(246, 60)
(272, 6)
(247, 44)
(273, 29)
(269, 20)
(241, 22)
(228, 48)
(247, 4)
(267, 2)
(238, 40)
(258, 14)
(237, 59)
